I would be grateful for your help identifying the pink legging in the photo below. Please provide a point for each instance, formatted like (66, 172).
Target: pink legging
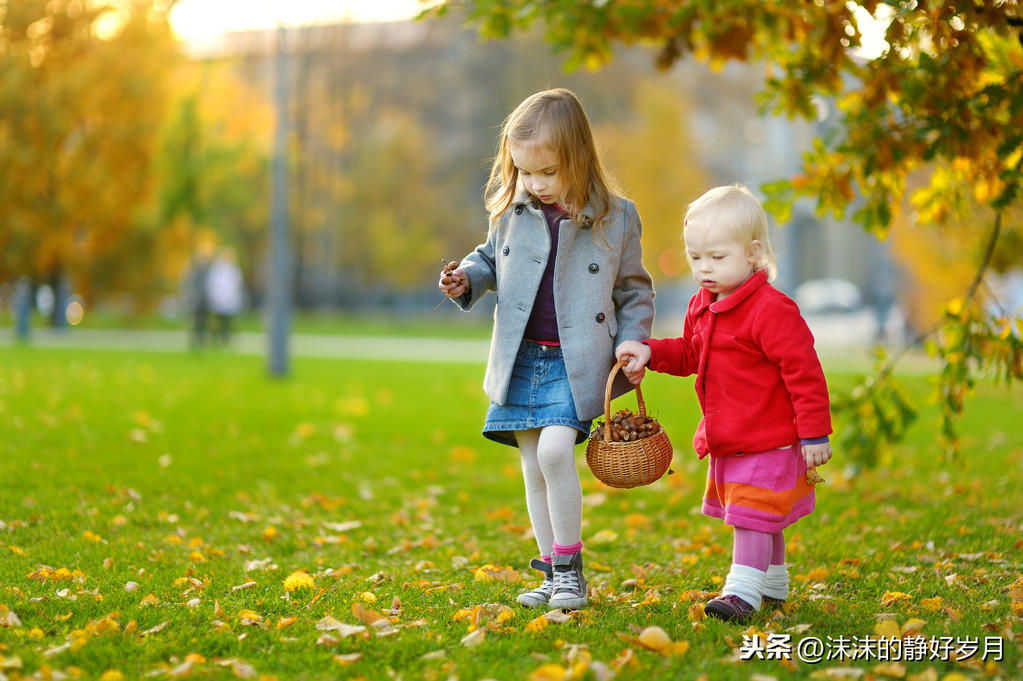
(758, 549)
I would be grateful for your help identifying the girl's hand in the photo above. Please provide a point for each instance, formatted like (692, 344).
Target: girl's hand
(637, 356)
(457, 282)
(817, 455)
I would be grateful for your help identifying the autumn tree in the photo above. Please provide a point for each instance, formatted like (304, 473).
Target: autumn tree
(211, 165)
(651, 155)
(930, 133)
(84, 95)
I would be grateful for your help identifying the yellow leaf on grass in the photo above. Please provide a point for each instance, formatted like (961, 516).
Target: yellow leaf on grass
(496, 573)
(350, 658)
(297, 581)
(604, 537)
(549, 672)
(655, 638)
(912, 626)
(626, 659)
(888, 629)
(365, 615)
(474, 638)
(249, 617)
(895, 670)
(929, 674)
(148, 601)
(538, 624)
(286, 622)
(504, 613)
(112, 675)
(931, 603)
(891, 597)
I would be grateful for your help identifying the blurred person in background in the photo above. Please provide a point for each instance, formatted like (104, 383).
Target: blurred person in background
(224, 294)
(194, 286)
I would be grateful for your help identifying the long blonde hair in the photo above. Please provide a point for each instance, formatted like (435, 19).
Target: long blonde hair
(554, 119)
(737, 210)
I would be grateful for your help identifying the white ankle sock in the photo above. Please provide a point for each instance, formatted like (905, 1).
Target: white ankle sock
(745, 582)
(776, 583)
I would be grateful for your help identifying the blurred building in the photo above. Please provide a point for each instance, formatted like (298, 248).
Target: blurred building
(458, 88)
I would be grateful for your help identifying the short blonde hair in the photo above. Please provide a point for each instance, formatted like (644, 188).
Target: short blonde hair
(735, 208)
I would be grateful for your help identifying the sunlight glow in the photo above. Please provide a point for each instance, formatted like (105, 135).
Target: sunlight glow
(204, 19)
(872, 28)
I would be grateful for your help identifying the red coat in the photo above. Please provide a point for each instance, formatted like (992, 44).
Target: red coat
(758, 378)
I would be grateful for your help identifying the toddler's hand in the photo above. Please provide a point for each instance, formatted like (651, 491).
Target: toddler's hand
(637, 356)
(817, 455)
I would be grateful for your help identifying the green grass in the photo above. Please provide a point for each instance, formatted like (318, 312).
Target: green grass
(418, 322)
(190, 475)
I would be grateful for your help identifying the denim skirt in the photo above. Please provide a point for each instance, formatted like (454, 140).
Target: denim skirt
(538, 396)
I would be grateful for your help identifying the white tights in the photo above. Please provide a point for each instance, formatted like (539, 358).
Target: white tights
(554, 496)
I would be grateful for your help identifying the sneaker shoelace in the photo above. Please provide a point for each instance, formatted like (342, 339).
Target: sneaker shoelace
(566, 580)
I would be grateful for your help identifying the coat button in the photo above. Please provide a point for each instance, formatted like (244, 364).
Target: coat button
(594, 268)
(506, 251)
(662, 367)
(600, 317)
(519, 208)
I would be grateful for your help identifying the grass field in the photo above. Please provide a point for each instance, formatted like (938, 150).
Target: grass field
(185, 516)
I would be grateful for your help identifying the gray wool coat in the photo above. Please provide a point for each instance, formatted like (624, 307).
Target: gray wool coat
(603, 295)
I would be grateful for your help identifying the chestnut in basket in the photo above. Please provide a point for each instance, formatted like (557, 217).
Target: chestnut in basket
(627, 426)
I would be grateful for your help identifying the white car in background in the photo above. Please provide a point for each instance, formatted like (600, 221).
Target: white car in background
(837, 315)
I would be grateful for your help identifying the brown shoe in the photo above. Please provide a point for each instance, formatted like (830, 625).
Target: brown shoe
(730, 608)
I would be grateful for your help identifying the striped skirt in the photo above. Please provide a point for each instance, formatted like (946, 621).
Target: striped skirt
(763, 491)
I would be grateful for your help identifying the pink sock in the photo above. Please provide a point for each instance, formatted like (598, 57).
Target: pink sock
(546, 559)
(560, 550)
(752, 549)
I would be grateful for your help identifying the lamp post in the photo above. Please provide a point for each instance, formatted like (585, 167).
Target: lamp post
(280, 280)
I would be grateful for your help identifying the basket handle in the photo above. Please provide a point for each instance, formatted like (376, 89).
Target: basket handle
(607, 399)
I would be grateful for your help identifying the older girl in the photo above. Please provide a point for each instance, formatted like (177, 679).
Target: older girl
(563, 253)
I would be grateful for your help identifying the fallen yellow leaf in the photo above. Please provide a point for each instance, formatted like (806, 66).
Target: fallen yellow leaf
(912, 626)
(888, 629)
(286, 622)
(488, 572)
(896, 670)
(298, 580)
(549, 672)
(474, 638)
(655, 638)
(891, 597)
(538, 624)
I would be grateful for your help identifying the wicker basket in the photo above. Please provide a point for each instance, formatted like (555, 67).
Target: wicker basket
(627, 464)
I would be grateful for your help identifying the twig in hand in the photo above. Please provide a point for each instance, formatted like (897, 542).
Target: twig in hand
(449, 267)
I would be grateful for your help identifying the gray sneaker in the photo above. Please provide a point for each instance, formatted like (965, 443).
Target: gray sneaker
(541, 594)
(570, 587)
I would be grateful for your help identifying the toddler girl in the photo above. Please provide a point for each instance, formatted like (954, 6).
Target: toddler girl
(766, 415)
